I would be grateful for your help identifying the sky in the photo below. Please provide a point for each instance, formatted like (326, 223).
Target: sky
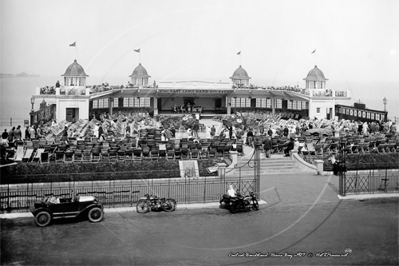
(356, 42)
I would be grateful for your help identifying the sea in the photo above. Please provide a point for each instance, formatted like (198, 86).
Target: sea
(16, 92)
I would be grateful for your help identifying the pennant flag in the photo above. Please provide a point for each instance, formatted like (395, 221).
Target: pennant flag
(73, 44)
(239, 53)
(314, 51)
(137, 51)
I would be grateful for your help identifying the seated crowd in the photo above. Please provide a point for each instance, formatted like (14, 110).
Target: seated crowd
(144, 137)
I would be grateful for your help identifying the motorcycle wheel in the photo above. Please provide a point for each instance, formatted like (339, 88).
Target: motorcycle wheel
(169, 206)
(142, 206)
(232, 209)
(255, 205)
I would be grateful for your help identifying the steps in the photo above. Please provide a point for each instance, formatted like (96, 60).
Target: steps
(277, 164)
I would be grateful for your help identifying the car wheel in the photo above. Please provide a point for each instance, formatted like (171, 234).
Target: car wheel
(95, 215)
(169, 206)
(142, 206)
(43, 219)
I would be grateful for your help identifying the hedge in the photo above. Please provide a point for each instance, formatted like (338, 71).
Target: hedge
(35, 173)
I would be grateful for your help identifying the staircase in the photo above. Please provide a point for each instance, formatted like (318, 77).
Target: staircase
(277, 164)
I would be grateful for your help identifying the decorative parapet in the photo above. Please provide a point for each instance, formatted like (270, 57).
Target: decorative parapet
(327, 93)
(342, 94)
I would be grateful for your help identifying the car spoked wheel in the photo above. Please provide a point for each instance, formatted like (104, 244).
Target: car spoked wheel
(43, 219)
(142, 206)
(95, 215)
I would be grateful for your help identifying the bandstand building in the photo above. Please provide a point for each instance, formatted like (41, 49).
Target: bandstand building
(74, 99)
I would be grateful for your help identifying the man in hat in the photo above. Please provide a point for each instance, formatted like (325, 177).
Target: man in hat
(267, 146)
(289, 147)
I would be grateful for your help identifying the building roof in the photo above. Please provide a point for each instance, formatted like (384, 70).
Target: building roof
(75, 70)
(139, 72)
(240, 73)
(315, 75)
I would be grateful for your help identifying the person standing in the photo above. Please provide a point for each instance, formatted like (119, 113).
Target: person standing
(27, 133)
(32, 132)
(65, 134)
(100, 133)
(250, 137)
(4, 138)
(213, 131)
(18, 133)
(11, 135)
(195, 130)
(230, 128)
(267, 146)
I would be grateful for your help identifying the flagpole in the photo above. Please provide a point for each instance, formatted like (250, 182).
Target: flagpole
(315, 63)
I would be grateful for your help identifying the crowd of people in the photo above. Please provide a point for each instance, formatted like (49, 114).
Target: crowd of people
(279, 88)
(245, 126)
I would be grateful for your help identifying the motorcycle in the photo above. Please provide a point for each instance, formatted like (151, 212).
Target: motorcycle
(153, 203)
(240, 203)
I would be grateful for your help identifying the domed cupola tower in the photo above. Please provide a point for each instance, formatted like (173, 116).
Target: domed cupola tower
(75, 75)
(240, 77)
(315, 79)
(139, 76)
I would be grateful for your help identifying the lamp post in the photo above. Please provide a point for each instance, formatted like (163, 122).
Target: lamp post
(32, 101)
(385, 103)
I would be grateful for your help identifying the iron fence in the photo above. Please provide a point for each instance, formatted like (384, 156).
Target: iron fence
(113, 194)
(369, 182)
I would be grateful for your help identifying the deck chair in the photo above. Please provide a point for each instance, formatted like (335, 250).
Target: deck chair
(137, 154)
(113, 155)
(185, 153)
(78, 156)
(20, 153)
(146, 154)
(170, 155)
(212, 153)
(59, 156)
(194, 154)
(86, 157)
(311, 149)
(27, 155)
(121, 156)
(38, 155)
(162, 154)
(177, 154)
(68, 156)
(129, 155)
(44, 158)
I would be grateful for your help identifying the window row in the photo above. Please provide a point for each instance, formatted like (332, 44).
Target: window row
(126, 102)
(360, 113)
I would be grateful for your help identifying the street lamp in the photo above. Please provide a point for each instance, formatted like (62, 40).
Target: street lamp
(32, 101)
(385, 103)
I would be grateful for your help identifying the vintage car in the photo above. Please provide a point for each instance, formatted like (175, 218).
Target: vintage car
(58, 208)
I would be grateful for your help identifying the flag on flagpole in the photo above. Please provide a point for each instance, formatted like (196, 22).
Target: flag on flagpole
(137, 51)
(73, 44)
(239, 53)
(314, 51)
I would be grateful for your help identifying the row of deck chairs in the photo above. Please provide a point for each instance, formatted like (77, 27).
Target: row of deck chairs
(143, 149)
(351, 145)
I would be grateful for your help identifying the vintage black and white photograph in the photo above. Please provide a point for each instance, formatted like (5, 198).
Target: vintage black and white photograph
(212, 132)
